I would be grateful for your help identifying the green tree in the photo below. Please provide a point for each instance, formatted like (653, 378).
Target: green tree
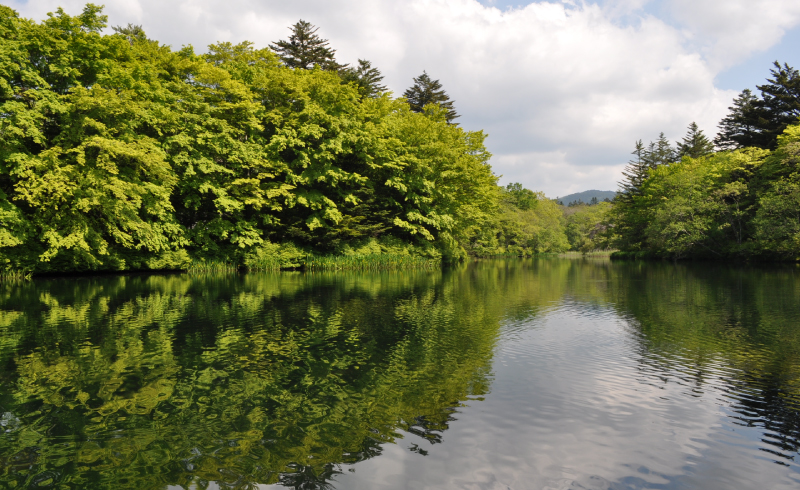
(695, 144)
(777, 220)
(660, 152)
(586, 226)
(132, 32)
(780, 100)
(121, 155)
(629, 217)
(634, 173)
(739, 129)
(366, 77)
(305, 49)
(701, 207)
(757, 121)
(85, 184)
(426, 91)
(520, 197)
(525, 223)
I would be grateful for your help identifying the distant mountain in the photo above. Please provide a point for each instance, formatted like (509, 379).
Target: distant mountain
(587, 196)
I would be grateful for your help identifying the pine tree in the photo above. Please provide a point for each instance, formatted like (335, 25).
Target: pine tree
(426, 91)
(305, 49)
(780, 100)
(366, 78)
(695, 144)
(755, 121)
(659, 152)
(740, 127)
(634, 173)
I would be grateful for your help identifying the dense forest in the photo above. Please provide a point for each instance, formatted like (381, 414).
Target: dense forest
(120, 153)
(739, 202)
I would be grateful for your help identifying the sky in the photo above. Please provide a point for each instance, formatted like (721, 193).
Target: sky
(564, 89)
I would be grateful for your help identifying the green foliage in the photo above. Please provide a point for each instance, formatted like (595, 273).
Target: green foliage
(586, 227)
(520, 197)
(776, 224)
(739, 129)
(371, 262)
(738, 203)
(732, 204)
(117, 153)
(526, 223)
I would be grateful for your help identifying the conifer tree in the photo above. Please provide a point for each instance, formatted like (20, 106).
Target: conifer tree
(131, 32)
(740, 127)
(366, 78)
(757, 122)
(426, 91)
(695, 144)
(780, 100)
(305, 49)
(634, 173)
(659, 152)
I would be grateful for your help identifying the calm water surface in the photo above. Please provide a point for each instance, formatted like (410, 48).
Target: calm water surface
(523, 374)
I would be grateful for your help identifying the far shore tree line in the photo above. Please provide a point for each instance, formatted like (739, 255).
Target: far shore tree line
(734, 199)
(119, 153)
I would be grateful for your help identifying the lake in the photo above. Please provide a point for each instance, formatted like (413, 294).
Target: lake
(545, 373)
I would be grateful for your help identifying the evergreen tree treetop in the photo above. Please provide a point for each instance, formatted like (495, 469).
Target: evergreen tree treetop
(780, 99)
(305, 49)
(740, 127)
(132, 32)
(427, 91)
(695, 144)
(664, 153)
(754, 121)
(634, 174)
(366, 77)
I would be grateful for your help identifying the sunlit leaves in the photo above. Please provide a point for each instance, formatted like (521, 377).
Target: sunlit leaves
(119, 153)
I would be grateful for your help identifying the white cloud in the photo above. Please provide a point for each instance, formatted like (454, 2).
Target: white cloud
(732, 30)
(563, 89)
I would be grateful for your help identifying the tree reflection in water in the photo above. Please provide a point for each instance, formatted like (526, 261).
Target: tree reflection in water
(179, 380)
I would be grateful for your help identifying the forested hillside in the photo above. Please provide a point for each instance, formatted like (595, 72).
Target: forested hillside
(586, 197)
(120, 153)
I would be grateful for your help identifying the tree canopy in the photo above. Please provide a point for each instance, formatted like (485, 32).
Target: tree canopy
(118, 153)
